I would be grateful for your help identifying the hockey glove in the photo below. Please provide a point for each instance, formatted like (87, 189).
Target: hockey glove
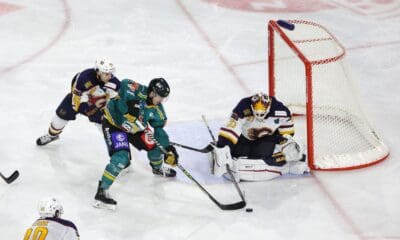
(172, 157)
(148, 138)
(97, 97)
(134, 107)
(290, 148)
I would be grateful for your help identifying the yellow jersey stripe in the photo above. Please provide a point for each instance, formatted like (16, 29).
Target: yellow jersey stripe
(109, 175)
(228, 136)
(157, 162)
(286, 131)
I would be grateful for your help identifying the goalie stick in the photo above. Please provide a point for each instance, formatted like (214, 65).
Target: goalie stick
(206, 149)
(209, 129)
(227, 167)
(11, 178)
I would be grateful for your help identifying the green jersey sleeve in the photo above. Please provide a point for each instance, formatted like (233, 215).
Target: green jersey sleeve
(118, 109)
(155, 116)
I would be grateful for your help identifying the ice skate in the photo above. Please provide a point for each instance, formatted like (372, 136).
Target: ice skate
(103, 200)
(45, 139)
(164, 171)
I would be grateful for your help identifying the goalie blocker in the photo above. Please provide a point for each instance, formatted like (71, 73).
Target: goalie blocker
(288, 153)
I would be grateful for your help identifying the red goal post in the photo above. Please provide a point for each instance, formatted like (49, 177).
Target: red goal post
(307, 71)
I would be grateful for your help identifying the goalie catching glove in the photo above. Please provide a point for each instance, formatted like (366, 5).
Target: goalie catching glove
(290, 148)
(172, 157)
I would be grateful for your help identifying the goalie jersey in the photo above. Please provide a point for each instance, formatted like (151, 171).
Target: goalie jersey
(276, 123)
(52, 229)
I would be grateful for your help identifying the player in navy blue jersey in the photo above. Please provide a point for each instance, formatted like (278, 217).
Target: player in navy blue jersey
(257, 142)
(90, 91)
(50, 225)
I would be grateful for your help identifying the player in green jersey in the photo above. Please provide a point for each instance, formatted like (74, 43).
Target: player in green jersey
(131, 118)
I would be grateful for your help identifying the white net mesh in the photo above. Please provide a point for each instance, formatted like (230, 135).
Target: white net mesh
(341, 136)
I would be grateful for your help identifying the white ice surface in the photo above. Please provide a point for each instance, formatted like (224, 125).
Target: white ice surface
(212, 56)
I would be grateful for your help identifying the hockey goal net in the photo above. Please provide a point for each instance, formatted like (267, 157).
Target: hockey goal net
(307, 72)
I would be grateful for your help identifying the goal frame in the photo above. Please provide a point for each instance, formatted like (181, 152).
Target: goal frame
(273, 29)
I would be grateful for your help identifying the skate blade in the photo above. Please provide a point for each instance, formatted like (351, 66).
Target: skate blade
(101, 205)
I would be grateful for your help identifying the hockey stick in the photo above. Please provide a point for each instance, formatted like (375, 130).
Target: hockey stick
(208, 128)
(206, 149)
(11, 178)
(232, 206)
(227, 167)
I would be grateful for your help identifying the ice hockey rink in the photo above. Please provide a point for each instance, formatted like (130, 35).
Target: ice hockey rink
(213, 53)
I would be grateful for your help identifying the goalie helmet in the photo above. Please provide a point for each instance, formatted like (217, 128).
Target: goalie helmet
(159, 86)
(50, 207)
(260, 105)
(105, 66)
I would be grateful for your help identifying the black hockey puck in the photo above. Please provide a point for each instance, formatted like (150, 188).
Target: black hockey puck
(249, 210)
(285, 24)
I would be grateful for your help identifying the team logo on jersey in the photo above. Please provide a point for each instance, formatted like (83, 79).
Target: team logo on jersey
(120, 141)
(63, 112)
(120, 137)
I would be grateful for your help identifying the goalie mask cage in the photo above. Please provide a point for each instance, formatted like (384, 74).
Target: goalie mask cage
(308, 73)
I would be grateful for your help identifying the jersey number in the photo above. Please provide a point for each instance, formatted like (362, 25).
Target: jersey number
(40, 233)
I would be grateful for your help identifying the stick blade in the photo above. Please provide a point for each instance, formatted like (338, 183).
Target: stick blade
(233, 206)
(13, 176)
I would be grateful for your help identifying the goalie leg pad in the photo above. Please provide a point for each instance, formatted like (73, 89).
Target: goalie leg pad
(258, 170)
(298, 167)
(220, 158)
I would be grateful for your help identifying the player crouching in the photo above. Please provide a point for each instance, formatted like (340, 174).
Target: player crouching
(257, 143)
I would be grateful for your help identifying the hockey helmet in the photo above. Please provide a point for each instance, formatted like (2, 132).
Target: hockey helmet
(260, 105)
(104, 66)
(50, 207)
(159, 86)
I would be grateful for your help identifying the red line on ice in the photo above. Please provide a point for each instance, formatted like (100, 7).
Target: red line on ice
(213, 47)
(67, 18)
